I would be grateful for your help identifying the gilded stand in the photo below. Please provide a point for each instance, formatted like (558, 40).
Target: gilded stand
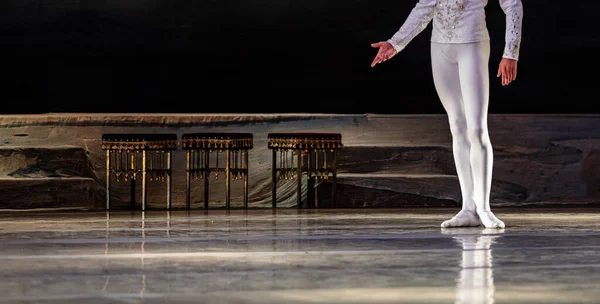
(312, 154)
(129, 155)
(200, 147)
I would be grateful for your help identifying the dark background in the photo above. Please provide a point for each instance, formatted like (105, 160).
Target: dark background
(269, 56)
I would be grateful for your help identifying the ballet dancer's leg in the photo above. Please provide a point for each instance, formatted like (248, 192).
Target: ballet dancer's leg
(473, 60)
(447, 83)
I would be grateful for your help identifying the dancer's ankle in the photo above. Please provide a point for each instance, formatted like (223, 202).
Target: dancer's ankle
(468, 210)
(483, 211)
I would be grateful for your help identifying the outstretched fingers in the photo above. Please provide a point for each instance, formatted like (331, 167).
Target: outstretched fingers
(383, 54)
(377, 44)
(379, 58)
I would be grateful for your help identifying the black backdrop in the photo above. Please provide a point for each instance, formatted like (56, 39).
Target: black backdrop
(211, 56)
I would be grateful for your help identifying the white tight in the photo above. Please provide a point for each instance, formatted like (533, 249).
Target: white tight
(461, 78)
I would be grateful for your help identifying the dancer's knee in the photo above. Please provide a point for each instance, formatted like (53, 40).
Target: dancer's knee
(478, 136)
(458, 127)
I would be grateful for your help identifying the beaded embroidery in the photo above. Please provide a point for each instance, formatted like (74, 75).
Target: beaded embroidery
(460, 21)
(449, 14)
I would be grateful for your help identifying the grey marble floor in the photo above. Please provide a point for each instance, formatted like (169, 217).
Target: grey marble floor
(298, 256)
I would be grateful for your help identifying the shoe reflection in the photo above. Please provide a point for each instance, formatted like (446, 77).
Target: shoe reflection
(475, 283)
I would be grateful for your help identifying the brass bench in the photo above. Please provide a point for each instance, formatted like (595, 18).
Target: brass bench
(295, 155)
(129, 155)
(233, 165)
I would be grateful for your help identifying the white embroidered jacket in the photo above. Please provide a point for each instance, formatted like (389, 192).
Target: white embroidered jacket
(460, 21)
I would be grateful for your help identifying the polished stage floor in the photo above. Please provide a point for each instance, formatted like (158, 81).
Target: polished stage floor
(298, 256)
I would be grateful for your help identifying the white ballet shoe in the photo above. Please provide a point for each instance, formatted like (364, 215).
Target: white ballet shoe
(463, 218)
(489, 220)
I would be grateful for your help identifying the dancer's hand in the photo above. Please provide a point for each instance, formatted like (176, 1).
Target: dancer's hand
(386, 52)
(507, 70)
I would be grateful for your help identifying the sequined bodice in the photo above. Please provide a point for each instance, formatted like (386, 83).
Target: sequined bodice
(460, 21)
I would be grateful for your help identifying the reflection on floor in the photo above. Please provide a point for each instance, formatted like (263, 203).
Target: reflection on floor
(299, 256)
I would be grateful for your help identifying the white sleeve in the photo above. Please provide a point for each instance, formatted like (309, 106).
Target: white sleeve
(415, 23)
(514, 22)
